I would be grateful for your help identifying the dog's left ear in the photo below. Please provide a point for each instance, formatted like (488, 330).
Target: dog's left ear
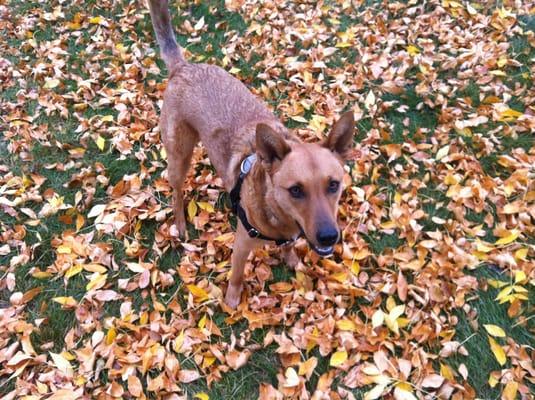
(270, 145)
(340, 140)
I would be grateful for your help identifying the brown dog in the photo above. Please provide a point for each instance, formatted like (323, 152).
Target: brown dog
(292, 189)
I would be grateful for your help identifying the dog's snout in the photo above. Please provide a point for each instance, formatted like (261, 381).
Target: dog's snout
(327, 236)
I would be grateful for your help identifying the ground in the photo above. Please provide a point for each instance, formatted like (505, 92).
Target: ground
(430, 295)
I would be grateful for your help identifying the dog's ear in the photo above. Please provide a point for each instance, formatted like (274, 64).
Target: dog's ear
(340, 140)
(270, 145)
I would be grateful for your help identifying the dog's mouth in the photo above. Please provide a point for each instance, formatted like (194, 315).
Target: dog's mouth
(323, 251)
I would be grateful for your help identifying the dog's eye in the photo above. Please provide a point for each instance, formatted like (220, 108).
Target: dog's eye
(333, 186)
(296, 192)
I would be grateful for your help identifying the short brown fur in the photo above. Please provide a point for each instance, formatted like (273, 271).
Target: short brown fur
(204, 102)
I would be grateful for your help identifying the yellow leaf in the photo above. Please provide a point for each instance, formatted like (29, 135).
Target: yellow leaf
(179, 341)
(509, 115)
(207, 361)
(495, 330)
(201, 396)
(73, 25)
(520, 276)
(498, 352)
(339, 276)
(95, 20)
(143, 318)
(111, 335)
(101, 142)
(511, 237)
(68, 356)
(317, 123)
(94, 268)
(521, 254)
(79, 222)
(388, 225)
(519, 289)
(483, 247)
(199, 293)
(192, 210)
(203, 205)
(51, 83)
(496, 284)
(355, 267)
(497, 72)
(392, 324)
(97, 281)
(73, 270)
(361, 254)
(224, 237)
(509, 392)
(492, 381)
(403, 322)
(346, 325)
(502, 61)
(308, 366)
(41, 274)
(403, 391)
(338, 358)
(202, 322)
(67, 301)
(412, 50)
(107, 118)
(390, 303)
(504, 292)
(446, 372)
(64, 249)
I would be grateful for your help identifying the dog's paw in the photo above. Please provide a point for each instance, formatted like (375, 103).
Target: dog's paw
(180, 225)
(177, 235)
(178, 232)
(233, 296)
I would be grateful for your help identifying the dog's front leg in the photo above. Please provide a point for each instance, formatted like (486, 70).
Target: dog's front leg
(243, 245)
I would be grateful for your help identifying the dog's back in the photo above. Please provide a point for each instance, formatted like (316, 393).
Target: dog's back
(195, 90)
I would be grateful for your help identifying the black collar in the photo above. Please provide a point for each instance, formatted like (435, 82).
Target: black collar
(235, 196)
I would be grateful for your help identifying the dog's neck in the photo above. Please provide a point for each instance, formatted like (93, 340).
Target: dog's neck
(262, 210)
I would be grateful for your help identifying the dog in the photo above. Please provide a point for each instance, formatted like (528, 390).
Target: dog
(281, 187)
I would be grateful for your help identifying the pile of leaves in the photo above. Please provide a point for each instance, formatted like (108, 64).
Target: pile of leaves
(98, 297)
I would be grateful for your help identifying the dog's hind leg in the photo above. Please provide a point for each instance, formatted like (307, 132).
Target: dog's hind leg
(179, 141)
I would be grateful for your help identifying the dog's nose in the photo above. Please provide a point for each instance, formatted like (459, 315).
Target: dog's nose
(327, 236)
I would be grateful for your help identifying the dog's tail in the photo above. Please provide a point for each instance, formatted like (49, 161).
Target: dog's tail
(161, 21)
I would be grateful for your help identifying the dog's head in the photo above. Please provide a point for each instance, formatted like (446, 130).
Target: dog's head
(307, 179)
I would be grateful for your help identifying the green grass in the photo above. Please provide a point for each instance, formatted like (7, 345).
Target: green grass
(264, 364)
(476, 341)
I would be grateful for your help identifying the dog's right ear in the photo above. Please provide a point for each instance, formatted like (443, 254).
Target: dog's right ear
(270, 145)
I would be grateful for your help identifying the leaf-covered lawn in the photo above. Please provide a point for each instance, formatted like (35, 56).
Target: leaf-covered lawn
(430, 296)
